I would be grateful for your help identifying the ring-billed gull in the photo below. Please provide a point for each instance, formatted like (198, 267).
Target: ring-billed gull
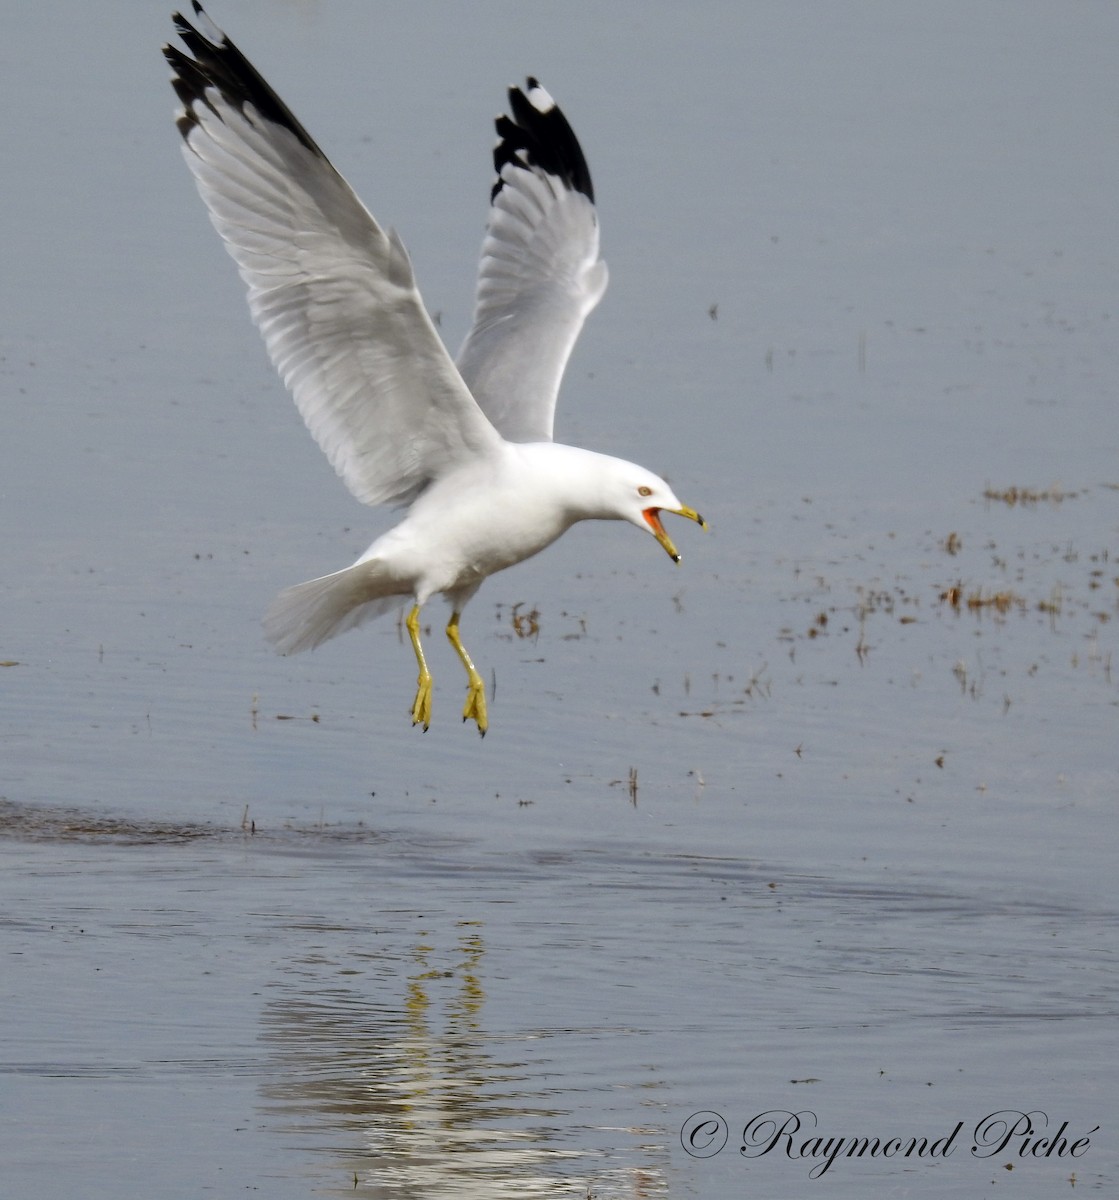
(467, 446)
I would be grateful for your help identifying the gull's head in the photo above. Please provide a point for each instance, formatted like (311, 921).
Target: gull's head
(642, 497)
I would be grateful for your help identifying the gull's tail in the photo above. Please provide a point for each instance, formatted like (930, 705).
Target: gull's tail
(305, 616)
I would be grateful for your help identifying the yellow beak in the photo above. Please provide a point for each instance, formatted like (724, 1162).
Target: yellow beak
(653, 520)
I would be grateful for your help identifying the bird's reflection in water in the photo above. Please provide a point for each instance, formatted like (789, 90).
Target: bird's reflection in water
(411, 1096)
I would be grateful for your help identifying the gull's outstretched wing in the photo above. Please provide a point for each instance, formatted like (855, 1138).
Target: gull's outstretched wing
(540, 273)
(332, 293)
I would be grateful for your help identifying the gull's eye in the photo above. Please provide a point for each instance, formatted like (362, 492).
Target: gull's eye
(644, 491)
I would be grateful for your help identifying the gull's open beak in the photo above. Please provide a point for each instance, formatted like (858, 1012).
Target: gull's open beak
(653, 520)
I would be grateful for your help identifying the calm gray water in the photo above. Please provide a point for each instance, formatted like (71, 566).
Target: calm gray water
(821, 822)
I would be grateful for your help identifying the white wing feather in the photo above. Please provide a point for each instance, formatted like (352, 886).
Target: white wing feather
(540, 273)
(332, 293)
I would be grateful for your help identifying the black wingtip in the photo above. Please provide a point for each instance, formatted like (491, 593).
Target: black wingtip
(539, 137)
(217, 63)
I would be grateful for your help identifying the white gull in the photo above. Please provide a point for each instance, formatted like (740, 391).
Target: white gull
(468, 446)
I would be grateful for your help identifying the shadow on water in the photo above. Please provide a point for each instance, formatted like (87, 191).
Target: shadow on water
(49, 824)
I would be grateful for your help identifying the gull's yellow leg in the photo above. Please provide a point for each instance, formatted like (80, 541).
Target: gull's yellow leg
(476, 694)
(421, 710)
